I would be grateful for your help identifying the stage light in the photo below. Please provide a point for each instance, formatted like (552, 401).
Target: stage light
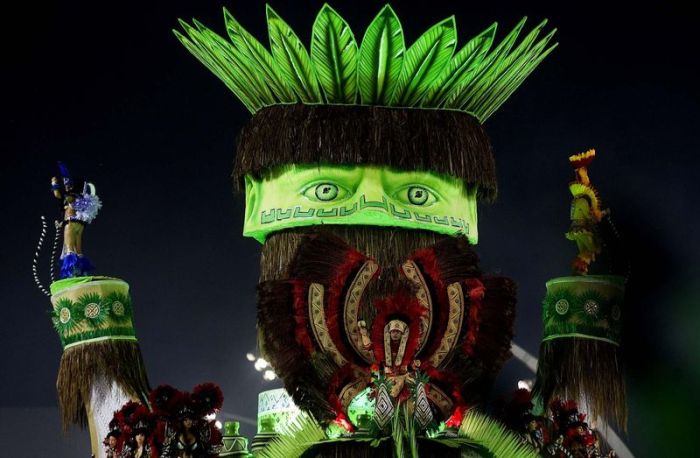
(269, 375)
(260, 364)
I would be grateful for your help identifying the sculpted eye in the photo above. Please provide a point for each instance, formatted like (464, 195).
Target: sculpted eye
(417, 195)
(324, 192)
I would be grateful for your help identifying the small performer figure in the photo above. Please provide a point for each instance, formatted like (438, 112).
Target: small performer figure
(187, 433)
(80, 206)
(534, 432)
(401, 378)
(111, 442)
(364, 335)
(139, 447)
(141, 444)
(188, 438)
(586, 214)
(395, 340)
(573, 436)
(188, 443)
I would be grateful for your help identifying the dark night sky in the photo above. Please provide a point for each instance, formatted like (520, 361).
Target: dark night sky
(107, 88)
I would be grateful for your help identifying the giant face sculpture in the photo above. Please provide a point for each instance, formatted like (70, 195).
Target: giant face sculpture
(371, 265)
(362, 167)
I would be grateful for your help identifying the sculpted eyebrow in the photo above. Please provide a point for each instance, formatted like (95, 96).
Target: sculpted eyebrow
(427, 179)
(329, 172)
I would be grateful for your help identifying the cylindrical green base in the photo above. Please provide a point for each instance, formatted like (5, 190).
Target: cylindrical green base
(584, 306)
(260, 441)
(234, 443)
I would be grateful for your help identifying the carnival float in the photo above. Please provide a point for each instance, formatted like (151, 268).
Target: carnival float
(363, 166)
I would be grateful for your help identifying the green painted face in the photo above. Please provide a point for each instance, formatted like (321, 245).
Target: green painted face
(305, 195)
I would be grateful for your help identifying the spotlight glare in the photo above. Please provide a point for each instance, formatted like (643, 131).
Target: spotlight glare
(524, 385)
(260, 364)
(250, 357)
(269, 375)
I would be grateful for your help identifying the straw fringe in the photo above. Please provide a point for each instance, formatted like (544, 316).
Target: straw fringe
(441, 141)
(583, 369)
(80, 366)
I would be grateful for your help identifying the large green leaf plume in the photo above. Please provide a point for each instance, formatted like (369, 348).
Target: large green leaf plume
(433, 72)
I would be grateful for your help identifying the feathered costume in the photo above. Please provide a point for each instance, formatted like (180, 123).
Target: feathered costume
(183, 429)
(459, 323)
(80, 207)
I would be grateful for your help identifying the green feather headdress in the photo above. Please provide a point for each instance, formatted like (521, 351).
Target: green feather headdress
(379, 70)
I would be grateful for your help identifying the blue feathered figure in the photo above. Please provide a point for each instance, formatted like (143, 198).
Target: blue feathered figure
(80, 207)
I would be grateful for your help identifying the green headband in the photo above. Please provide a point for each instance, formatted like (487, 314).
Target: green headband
(305, 195)
(587, 307)
(91, 309)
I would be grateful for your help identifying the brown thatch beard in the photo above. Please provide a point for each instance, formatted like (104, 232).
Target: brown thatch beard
(389, 247)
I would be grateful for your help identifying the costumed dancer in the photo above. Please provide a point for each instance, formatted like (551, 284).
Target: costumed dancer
(80, 207)
(185, 432)
(176, 427)
(131, 432)
(101, 367)
(516, 414)
(113, 442)
(562, 432)
(571, 435)
(362, 168)
(138, 424)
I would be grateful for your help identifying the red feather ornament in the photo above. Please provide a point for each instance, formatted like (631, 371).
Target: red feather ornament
(207, 398)
(163, 399)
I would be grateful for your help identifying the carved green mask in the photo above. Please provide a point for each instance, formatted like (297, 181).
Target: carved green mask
(305, 195)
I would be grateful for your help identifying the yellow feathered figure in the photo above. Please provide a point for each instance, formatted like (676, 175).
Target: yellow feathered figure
(586, 214)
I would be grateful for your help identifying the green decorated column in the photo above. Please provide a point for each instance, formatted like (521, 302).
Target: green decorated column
(101, 367)
(582, 313)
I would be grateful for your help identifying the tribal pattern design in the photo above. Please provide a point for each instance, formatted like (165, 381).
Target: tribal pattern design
(100, 310)
(438, 321)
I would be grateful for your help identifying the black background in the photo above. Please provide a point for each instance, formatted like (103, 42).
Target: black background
(107, 88)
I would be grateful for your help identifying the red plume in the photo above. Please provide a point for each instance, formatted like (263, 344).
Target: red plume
(455, 420)
(163, 400)
(140, 416)
(124, 416)
(570, 406)
(208, 398)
